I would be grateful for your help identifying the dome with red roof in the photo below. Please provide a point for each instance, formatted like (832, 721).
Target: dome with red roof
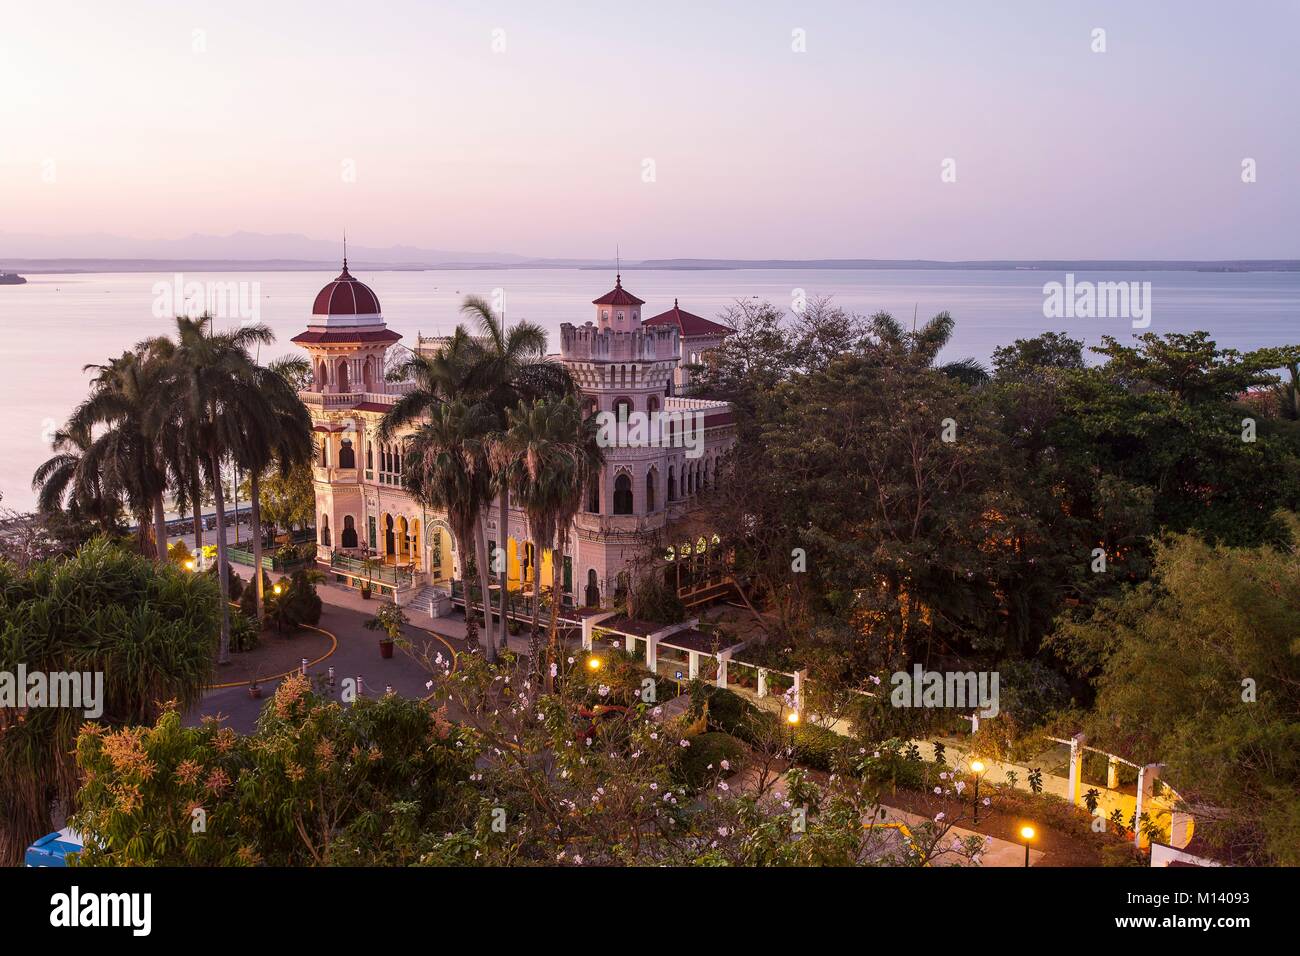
(346, 296)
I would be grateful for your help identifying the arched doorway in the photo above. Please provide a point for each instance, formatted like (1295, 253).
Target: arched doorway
(343, 375)
(403, 541)
(390, 545)
(593, 589)
(349, 536)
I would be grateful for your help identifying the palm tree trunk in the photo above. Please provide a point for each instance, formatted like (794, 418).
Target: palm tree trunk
(480, 549)
(534, 638)
(196, 504)
(471, 625)
(505, 548)
(144, 534)
(255, 513)
(160, 526)
(553, 638)
(219, 499)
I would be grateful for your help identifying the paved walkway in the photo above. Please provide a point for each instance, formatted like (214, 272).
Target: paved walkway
(356, 655)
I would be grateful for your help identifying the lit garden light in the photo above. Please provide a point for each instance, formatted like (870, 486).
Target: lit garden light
(1027, 834)
(593, 663)
(977, 769)
(275, 589)
(792, 717)
(189, 565)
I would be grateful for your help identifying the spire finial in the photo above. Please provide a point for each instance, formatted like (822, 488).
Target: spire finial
(674, 302)
(618, 268)
(345, 249)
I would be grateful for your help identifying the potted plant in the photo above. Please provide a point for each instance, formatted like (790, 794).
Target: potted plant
(367, 565)
(254, 689)
(389, 620)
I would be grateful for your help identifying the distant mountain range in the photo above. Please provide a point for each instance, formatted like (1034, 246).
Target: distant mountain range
(102, 252)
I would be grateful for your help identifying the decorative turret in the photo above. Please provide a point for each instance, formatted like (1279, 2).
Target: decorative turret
(346, 337)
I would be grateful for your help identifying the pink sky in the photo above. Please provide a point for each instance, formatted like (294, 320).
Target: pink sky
(123, 120)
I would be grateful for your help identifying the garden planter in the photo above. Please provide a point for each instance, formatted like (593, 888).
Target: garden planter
(254, 691)
(365, 594)
(385, 648)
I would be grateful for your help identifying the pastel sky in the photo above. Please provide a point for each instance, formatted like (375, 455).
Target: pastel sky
(154, 131)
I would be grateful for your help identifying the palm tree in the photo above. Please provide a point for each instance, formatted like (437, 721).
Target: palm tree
(127, 451)
(446, 468)
(219, 411)
(289, 444)
(62, 484)
(551, 456)
(921, 347)
(511, 366)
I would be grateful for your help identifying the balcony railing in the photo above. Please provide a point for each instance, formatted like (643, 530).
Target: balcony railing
(377, 572)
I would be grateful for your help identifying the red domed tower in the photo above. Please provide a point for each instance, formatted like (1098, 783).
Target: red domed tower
(347, 339)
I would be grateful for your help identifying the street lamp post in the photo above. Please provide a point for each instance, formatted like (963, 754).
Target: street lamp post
(977, 770)
(1027, 834)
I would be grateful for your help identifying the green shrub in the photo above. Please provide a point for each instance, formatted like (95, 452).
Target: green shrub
(244, 632)
(297, 603)
(249, 597)
(818, 747)
(702, 760)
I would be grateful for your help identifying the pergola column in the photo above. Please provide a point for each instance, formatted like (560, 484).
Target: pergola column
(1076, 766)
(1145, 791)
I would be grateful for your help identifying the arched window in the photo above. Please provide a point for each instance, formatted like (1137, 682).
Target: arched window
(623, 409)
(325, 529)
(704, 479)
(349, 536)
(672, 484)
(593, 589)
(593, 502)
(652, 404)
(322, 376)
(649, 491)
(368, 373)
(347, 457)
(369, 459)
(343, 375)
(622, 495)
(324, 453)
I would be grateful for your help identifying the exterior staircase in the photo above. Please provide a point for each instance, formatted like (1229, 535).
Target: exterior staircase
(431, 601)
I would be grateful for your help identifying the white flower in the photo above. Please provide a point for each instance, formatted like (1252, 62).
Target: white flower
(938, 790)
(960, 785)
(684, 742)
(726, 765)
(723, 831)
(987, 801)
(722, 785)
(938, 817)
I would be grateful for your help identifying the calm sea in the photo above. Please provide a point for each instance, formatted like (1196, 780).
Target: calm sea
(54, 325)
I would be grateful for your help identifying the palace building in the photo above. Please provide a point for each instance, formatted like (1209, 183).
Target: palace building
(370, 528)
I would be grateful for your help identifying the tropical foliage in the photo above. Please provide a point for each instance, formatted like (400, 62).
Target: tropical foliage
(148, 629)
